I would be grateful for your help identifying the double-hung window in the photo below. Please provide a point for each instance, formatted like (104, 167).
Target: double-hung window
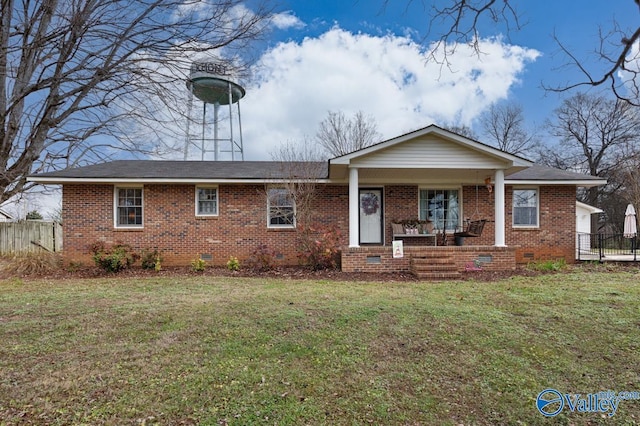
(525, 208)
(281, 209)
(206, 201)
(441, 207)
(129, 209)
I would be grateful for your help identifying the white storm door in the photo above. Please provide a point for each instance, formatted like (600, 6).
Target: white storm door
(370, 201)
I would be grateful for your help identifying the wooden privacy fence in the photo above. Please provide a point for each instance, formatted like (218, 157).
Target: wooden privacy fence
(30, 236)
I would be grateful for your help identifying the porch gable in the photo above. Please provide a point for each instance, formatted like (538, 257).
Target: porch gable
(428, 152)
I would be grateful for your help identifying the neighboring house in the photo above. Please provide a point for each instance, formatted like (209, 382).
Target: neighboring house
(5, 217)
(583, 227)
(215, 210)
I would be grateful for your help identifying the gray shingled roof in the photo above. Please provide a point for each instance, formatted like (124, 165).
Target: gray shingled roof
(543, 173)
(155, 169)
(250, 170)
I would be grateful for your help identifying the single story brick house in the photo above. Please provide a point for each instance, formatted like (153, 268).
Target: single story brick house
(214, 210)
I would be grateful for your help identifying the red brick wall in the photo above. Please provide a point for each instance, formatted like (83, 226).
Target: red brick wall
(482, 209)
(401, 202)
(553, 239)
(556, 236)
(170, 223)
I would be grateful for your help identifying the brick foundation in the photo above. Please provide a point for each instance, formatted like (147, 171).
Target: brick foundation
(359, 259)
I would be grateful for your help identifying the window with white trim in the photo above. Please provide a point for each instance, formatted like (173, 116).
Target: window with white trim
(206, 201)
(441, 207)
(281, 209)
(525, 207)
(129, 208)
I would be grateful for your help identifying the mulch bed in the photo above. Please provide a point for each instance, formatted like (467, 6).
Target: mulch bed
(294, 273)
(44, 268)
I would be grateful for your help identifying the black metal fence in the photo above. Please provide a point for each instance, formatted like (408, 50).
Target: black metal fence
(606, 247)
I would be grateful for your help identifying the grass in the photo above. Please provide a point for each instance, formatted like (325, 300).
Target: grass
(548, 265)
(240, 351)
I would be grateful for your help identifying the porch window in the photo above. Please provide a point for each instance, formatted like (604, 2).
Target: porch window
(525, 207)
(441, 207)
(281, 208)
(206, 201)
(128, 207)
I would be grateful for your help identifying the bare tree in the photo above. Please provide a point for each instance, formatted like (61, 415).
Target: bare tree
(617, 63)
(318, 242)
(504, 127)
(301, 166)
(78, 77)
(462, 130)
(596, 136)
(628, 174)
(339, 135)
(461, 19)
(594, 133)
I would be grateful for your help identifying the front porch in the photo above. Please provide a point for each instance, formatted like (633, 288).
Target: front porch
(429, 262)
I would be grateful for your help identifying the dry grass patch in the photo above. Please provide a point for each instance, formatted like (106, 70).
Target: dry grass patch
(31, 263)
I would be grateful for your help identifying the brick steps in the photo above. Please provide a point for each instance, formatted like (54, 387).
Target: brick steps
(434, 266)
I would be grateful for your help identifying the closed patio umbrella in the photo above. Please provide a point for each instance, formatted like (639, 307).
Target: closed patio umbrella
(630, 228)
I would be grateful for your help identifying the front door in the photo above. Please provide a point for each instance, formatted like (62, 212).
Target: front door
(371, 230)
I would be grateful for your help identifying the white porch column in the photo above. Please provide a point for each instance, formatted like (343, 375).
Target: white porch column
(499, 208)
(354, 208)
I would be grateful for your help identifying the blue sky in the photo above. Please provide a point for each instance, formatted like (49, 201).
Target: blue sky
(355, 55)
(575, 23)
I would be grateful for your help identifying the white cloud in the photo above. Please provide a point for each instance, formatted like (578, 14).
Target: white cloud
(387, 77)
(628, 77)
(286, 20)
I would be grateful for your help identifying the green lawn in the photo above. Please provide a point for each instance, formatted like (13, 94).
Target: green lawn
(241, 351)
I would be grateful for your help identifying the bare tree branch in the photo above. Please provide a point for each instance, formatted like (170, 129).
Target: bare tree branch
(77, 77)
(461, 21)
(598, 136)
(620, 55)
(504, 126)
(462, 130)
(617, 64)
(339, 135)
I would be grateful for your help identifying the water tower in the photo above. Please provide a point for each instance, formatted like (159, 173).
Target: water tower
(212, 83)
